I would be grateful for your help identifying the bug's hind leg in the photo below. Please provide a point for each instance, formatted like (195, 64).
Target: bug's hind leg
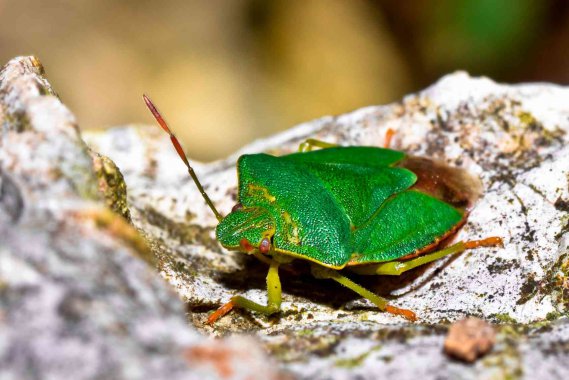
(381, 303)
(307, 145)
(273, 298)
(388, 138)
(395, 268)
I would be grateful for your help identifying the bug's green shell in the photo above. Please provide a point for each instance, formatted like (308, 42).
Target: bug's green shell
(340, 205)
(406, 222)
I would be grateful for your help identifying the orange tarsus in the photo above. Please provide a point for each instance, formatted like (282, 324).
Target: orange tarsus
(407, 314)
(224, 309)
(488, 242)
(388, 137)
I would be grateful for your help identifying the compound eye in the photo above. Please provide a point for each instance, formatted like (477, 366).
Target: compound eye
(238, 206)
(265, 246)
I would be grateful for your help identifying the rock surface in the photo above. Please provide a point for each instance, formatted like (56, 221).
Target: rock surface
(513, 137)
(78, 298)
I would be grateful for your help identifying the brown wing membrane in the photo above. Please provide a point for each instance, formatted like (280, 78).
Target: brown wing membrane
(451, 185)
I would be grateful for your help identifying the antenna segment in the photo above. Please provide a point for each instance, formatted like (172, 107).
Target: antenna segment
(181, 153)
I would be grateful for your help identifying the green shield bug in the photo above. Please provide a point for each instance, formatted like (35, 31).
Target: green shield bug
(373, 211)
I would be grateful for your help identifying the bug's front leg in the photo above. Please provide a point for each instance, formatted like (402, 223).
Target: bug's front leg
(383, 305)
(273, 297)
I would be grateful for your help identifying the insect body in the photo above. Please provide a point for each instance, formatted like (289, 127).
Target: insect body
(369, 210)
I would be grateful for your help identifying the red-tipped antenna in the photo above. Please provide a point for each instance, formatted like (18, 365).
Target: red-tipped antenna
(181, 153)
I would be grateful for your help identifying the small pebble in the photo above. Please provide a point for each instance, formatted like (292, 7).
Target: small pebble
(469, 339)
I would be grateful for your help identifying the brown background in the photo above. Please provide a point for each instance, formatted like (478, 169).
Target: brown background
(225, 72)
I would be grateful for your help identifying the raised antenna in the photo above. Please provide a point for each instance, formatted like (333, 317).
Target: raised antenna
(181, 153)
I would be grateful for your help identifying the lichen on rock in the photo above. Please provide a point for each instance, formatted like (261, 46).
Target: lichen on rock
(111, 184)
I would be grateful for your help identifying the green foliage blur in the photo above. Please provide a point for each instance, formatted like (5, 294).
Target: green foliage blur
(225, 72)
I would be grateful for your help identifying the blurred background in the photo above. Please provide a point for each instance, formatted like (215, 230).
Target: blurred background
(224, 72)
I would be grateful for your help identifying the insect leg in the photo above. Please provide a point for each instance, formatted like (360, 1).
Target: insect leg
(307, 145)
(388, 137)
(395, 268)
(273, 298)
(381, 303)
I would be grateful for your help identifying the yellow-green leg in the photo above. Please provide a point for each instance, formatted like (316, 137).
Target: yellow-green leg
(395, 268)
(381, 303)
(273, 297)
(307, 145)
